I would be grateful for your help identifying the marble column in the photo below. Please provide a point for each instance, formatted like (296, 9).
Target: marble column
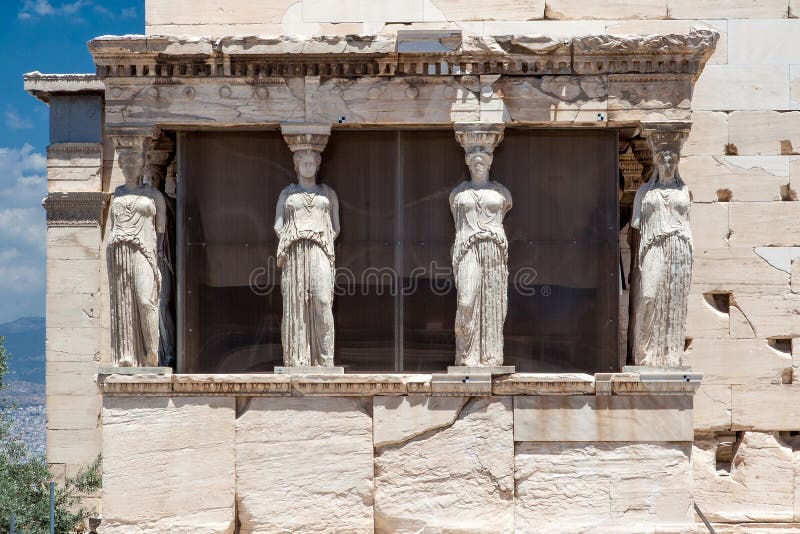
(661, 214)
(137, 223)
(480, 250)
(307, 223)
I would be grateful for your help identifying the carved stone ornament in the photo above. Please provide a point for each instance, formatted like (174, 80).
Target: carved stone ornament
(134, 277)
(75, 208)
(370, 55)
(480, 251)
(661, 214)
(307, 222)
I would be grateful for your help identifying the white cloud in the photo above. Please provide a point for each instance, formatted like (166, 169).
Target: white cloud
(100, 10)
(41, 7)
(14, 121)
(74, 7)
(23, 227)
(20, 278)
(20, 273)
(23, 185)
(19, 162)
(32, 9)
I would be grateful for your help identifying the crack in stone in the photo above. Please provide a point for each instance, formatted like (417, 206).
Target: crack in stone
(746, 318)
(428, 432)
(496, 481)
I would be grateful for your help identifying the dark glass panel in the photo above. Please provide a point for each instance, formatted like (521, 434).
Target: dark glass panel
(393, 189)
(360, 167)
(563, 258)
(433, 164)
(232, 298)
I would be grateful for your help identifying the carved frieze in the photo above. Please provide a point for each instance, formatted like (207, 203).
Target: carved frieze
(358, 55)
(69, 150)
(422, 78)
(75, 208)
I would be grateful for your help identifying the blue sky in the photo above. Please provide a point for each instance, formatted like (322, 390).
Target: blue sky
(49, 36)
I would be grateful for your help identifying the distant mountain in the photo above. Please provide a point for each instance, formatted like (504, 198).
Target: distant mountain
(24, 340)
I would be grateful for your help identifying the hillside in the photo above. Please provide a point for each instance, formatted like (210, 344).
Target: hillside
(24, 340)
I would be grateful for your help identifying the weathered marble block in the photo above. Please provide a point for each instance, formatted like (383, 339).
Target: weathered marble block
(757, 485)
(712, 408)
(586, 418)
(168, 465)
(602, 487)
(304, 465)
(742, 87)
(439, 476)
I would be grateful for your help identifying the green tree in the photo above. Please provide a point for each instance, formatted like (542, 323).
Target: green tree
(25, 479)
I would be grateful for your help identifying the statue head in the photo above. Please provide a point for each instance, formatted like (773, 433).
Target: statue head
(666, 161)
(665, 142)
(131, 161)
(153, 175)
(479, 163)
(306, 164)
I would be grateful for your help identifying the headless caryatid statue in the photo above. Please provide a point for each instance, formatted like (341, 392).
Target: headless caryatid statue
(661, 213)
(137, 224)
(307, 222)
(480, 255)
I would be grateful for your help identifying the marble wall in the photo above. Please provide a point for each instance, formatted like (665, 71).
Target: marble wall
(389, 464)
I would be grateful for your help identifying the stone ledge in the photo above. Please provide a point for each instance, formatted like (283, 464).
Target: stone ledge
(544, 384)
(368, 385)
(41, 86)
(646, 382)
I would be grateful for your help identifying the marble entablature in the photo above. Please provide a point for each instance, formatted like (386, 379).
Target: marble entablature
(530, 80)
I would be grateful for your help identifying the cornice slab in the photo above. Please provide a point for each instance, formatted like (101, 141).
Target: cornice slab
(664, 53)
(41, 86)
(369, 55)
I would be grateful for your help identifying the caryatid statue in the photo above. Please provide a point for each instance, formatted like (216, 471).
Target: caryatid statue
(480, 251)
(307, 222)
(661, 213)
(137, 216)
(161, 150)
